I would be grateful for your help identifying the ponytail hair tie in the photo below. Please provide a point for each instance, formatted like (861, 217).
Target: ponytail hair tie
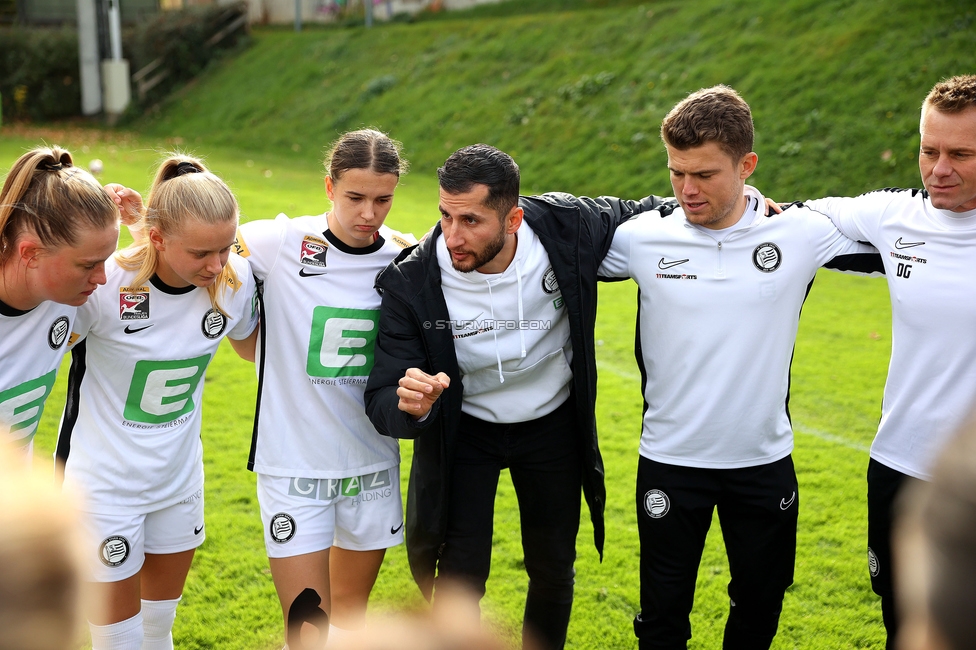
(50, 166)
(186, 167)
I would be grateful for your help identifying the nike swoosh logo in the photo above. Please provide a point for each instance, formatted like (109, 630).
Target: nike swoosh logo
(667, 265)
(476, 319)
(394, 531)
(131, 330)
(303, 274)
(784, 504)
(899, 244)
(196, 531)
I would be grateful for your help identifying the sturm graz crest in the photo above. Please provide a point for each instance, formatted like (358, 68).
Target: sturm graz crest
(213, 324)
(873, 565)
(656, 504)
(113, 551)
(549, 284)
(58, 332)
(282, 528)
(767, 257)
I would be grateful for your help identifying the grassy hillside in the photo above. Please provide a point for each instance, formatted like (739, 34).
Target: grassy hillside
(578, 96)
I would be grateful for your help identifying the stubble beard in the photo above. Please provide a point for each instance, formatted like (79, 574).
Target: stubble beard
(716, 215)
(482, 257)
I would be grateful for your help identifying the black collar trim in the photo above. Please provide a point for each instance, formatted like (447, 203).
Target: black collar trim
(165, 288)
(349, 250)
(13, 312)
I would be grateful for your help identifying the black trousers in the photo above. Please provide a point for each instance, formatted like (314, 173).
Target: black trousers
(884, 486)
(544, 460)
(757, 509)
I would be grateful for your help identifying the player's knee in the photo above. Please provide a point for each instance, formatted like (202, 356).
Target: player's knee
(124, 635)
(551, 578)
(305, 610)
(554, 585)
(158, 616)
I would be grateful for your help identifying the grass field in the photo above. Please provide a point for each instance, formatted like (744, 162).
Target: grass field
(838, 373)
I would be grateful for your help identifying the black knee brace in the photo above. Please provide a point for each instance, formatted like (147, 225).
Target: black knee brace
(305, 609)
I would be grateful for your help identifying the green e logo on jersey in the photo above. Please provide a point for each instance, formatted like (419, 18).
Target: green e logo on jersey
(162, 391)
(21, 407)
(341, 342)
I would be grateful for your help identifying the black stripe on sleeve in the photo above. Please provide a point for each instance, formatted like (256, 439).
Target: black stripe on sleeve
(262, 334)
(858, 263)
(639, 354)
(70, 416)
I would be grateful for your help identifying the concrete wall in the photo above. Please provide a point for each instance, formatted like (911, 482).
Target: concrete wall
(55, 12)
(283, 11)
(259, 11)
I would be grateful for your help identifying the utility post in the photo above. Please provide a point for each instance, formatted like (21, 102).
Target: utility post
(115, 71)
(89, 74)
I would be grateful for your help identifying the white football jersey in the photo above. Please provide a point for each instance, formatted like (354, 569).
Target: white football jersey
(717, 321)
(928, 253)
(319, 314)
(32, 344)
(130, 432)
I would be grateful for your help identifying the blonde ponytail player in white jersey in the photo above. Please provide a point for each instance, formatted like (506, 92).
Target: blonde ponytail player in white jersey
(195, 193)
(130, 436)
(318, 273)
(57, 228)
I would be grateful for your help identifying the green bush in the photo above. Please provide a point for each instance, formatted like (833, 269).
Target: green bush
(39, 73)
(39, 66)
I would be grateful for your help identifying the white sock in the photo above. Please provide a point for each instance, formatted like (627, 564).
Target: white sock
(337, 634)
(158, 616)
(124, 635)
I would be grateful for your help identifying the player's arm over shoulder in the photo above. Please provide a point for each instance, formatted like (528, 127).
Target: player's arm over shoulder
(832, 248)
(859, 217)
(609, 208)
(260, 241)
(617, 263)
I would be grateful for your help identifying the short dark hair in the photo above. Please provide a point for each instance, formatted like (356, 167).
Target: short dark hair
(717, 114)
(365, 149)
(953, 95)
(482, 164)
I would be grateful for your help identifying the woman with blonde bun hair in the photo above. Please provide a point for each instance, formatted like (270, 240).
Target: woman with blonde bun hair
(130, 433)
(57, 227)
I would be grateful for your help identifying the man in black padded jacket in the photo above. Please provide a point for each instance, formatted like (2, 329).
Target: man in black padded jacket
(485, 357)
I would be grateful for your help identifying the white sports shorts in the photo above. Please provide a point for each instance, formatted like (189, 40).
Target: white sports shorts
(118, 543)
(306, 515)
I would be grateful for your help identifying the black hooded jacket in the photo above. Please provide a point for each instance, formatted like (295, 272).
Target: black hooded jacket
(576, 233)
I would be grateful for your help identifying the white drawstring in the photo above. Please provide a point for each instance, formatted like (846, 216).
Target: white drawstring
(518, 275)
(494, 331)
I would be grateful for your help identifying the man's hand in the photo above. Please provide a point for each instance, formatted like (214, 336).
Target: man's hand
(418, 391)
